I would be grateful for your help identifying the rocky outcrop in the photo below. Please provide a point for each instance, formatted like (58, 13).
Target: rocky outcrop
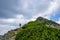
(48, 22)
(10, 35)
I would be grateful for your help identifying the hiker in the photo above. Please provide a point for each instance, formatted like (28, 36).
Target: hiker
(20, 25)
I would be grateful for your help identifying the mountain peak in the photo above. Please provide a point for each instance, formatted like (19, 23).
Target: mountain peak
(48, 22)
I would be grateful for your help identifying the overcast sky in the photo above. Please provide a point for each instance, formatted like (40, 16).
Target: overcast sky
(13, 12)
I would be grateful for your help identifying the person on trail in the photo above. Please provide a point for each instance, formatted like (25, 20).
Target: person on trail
(20, 25)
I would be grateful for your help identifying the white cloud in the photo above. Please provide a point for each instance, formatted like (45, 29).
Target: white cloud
(7, 20)
(17, 19)
(32, 7)
(58, 21)
(4, 28)
(49, 12)
(36, 8)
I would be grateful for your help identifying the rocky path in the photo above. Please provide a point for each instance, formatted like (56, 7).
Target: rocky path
(12, 38)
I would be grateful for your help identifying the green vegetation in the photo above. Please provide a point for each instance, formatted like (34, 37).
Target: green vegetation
(38, 31)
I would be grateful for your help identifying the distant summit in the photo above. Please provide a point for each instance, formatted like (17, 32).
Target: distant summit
(48, 22)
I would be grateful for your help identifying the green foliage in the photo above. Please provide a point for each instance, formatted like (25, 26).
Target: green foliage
(38, 31)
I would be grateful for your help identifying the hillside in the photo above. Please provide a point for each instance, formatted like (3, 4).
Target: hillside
(38, 30)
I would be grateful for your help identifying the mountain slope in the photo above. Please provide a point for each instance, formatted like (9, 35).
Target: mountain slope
(38, 31)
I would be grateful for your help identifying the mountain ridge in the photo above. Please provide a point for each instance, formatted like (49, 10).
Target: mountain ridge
(48, 22)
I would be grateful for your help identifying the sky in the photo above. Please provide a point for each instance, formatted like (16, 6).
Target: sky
(13, 12)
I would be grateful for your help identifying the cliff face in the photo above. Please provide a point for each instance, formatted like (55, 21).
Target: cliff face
(10, 35)
(48, 22)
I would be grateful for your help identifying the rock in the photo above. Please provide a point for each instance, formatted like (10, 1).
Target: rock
(48, 22)
(10, 35)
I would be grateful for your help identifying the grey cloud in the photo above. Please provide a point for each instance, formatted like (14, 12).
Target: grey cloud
(10, 8)
(7, 8)
(33, 7)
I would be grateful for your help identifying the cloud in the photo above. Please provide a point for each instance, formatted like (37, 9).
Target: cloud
(58, 21)
(24, 7)
(53, 7)
(5, 28)
(18, 19)
(32, 7)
